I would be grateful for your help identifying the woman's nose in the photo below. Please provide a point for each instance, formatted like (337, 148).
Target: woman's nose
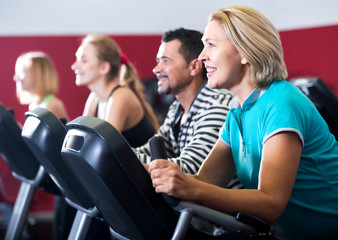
(73, 66)
(18, 77)
(202, 57)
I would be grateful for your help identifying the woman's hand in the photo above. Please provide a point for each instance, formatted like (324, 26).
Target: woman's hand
(168, 178)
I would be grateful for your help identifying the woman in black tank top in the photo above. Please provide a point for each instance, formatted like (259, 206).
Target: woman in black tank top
(116, 92)
(117, 97)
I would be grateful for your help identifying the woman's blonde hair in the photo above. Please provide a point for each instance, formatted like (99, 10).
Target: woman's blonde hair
(43, 73)
(256, 39)
(108, 51)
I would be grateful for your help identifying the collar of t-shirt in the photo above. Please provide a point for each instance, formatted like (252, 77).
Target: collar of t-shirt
(257, 93)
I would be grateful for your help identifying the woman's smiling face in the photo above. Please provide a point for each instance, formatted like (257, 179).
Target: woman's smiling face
(224, 64)
(87, 65)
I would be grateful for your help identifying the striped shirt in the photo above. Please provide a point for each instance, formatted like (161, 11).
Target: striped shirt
(198, 133)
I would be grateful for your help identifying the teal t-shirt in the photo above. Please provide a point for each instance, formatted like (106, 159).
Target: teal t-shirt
(312, 210)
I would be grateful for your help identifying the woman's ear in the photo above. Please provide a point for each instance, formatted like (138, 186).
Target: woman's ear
(195, 66)
(105, 67)
(244, 61)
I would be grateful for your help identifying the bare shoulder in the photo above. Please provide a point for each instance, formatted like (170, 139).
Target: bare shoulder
(57, 107)
(123, 92)
(55, 103)
(125, 95)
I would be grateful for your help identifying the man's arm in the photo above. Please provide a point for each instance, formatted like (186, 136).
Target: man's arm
(198, 134)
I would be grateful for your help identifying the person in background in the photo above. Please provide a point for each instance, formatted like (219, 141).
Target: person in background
(194, 119)
(37, 83)
(273, 137)
(117, 95)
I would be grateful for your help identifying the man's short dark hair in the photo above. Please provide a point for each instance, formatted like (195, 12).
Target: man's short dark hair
(191, 43)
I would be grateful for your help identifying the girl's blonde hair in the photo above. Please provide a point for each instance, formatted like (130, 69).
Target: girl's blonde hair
(256, 39)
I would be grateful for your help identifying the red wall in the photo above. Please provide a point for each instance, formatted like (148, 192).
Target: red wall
(307, 52)
(312, 52)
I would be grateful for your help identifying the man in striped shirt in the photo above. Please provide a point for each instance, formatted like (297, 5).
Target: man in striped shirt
(192, 124)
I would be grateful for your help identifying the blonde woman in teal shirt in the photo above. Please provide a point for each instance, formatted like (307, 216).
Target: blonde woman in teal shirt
(37, 83)
(273, 138)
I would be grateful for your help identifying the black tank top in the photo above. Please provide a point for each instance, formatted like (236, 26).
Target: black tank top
(137, 135)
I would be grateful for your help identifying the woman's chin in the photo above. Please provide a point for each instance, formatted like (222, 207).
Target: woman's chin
(212, 84)
(78, 82)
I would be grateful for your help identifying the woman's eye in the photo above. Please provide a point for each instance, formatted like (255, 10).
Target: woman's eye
(211, 45)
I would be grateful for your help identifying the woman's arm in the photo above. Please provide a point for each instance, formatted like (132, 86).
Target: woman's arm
(281, 155)
(219, 167)
(202, 133)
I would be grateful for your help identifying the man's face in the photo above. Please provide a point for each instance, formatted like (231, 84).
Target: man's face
(172, 71)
